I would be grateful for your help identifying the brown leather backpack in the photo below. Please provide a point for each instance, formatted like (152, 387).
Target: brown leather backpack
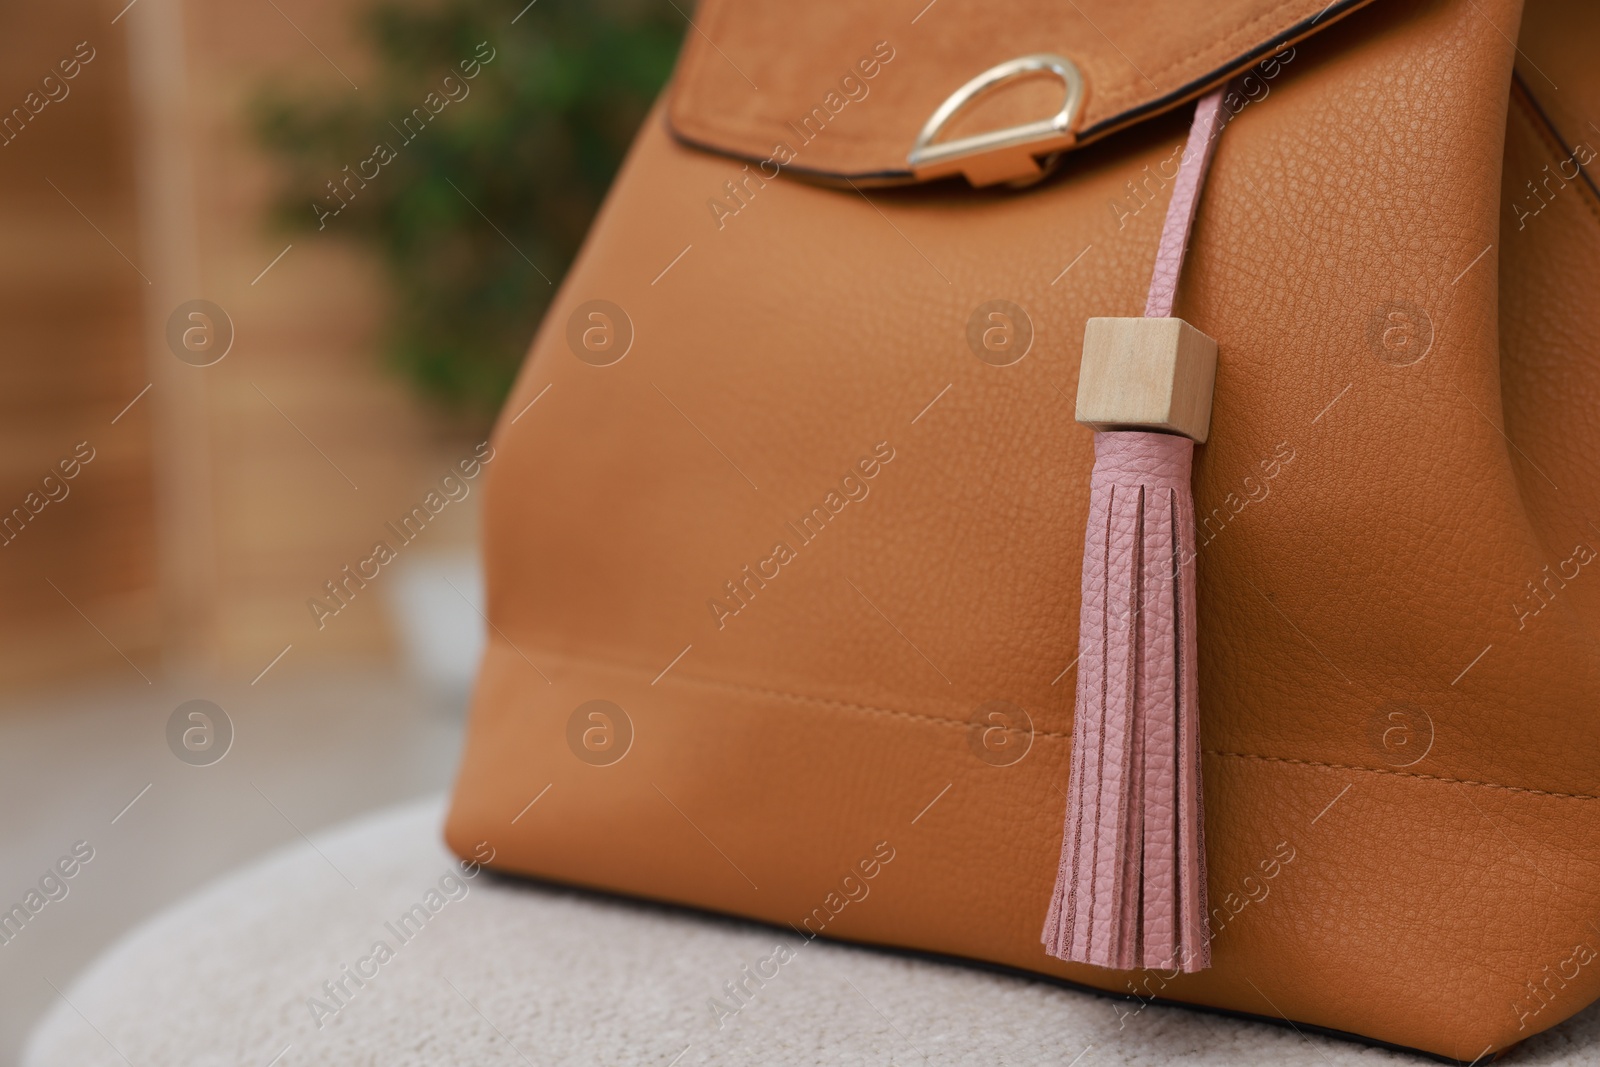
(785, 525)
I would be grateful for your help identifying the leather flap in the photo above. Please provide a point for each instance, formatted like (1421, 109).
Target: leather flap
(840, 89)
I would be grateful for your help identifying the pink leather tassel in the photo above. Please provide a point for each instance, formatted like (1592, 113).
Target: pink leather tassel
(1131, 887)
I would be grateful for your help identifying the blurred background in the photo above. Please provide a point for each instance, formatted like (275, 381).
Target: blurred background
(269, 268)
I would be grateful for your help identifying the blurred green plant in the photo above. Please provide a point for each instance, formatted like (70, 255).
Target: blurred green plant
(481, 205)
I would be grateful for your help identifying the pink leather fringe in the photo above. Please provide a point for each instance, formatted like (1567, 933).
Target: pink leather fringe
(1130, 890)
(1131, 886)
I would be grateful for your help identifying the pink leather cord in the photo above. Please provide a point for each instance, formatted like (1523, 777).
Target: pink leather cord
(1209, 118)
(1131, 884)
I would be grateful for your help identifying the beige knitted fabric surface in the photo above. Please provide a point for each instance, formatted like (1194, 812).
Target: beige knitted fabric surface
(279, 963)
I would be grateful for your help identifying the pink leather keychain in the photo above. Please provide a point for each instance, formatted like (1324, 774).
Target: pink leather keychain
(1131, 888)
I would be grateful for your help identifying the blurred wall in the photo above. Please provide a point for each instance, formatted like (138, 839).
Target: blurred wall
(218, 499)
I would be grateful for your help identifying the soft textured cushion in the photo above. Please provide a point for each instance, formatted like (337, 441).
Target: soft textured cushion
(515, 973)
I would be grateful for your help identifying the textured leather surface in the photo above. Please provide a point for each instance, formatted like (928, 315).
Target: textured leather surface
(1400, 753)
(847, 87)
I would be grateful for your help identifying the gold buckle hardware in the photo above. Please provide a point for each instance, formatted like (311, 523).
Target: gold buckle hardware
(1005, 155)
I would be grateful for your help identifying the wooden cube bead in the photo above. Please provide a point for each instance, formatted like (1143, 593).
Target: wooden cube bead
(1147, 374)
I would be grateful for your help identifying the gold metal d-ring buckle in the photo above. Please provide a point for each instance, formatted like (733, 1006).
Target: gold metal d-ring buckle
(1007, 154)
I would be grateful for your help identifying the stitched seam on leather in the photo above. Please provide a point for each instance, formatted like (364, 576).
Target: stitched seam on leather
(690, 77)
(939, 720)
(708, 127)
(1394, 772)
(711, 129)
(780, 694)
(847, 706)
(1224, 46)
(1542, 130)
